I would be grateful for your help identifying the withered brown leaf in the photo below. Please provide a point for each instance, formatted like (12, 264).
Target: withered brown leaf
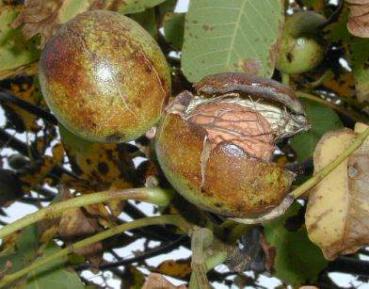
(157, 281)
(338, 208)
(358, 22)
(175, 268)
(44, 17)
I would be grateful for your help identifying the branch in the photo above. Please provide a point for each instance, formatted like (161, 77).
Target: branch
(334, 16)
(32, 200)
(6, 96)
(349, 265)
(145, 255)
(152, 195)
(6, 139)
(159, 234)
(164, 219)
(350, 114)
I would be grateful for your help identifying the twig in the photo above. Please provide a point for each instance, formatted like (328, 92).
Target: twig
(152, 195)
(334, 16)
(349, 265)
(151, 253)
(31, 200)
(350, 114)
(175, 220)
(159, 234)
(12, 142)
(16, 144)
(328, 74)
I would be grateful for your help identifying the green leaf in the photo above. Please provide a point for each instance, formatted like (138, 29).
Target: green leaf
(337, 31)
(135, 6)
(72, 8)
(173, 25)
(25, 250)
(237, 35)
(359, 60)
(321, 119)
(167, 6)
(15, 52)
(53, 275)
(147, 20)
(316, 5)
(357, 51)
(22, 252)
(298, 261)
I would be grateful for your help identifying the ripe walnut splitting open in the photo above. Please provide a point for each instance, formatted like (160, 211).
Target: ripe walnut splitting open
(216, 147)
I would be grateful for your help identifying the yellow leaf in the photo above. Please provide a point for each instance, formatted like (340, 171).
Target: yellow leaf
(343, 84)
(102, 166)
(29, 93)
(157, 281)
(338, 209)
(175, 268)
(37, 174)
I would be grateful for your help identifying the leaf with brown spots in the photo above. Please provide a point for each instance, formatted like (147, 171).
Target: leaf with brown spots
(358, 22)
(222, 36)
(338, 208)
(343, 84)
(36, 173)
(99, 166)
(19, 118)
(157, 281)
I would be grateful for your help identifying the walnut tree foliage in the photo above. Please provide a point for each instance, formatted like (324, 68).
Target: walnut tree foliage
(323, 57)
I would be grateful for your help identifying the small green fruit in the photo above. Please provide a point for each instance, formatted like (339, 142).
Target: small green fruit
(216, 147)
(301, 49)
(104, 77)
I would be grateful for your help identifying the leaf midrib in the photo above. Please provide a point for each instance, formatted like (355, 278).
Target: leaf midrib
(234, 35)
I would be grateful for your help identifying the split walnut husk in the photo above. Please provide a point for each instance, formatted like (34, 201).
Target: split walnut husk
(216, 147)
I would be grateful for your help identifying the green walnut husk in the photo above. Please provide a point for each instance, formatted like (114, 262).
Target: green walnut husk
(301, 48)
(230, 173)
(104, 77)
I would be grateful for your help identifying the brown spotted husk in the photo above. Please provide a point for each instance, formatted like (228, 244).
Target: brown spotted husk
(218, 154)
(104, 77)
